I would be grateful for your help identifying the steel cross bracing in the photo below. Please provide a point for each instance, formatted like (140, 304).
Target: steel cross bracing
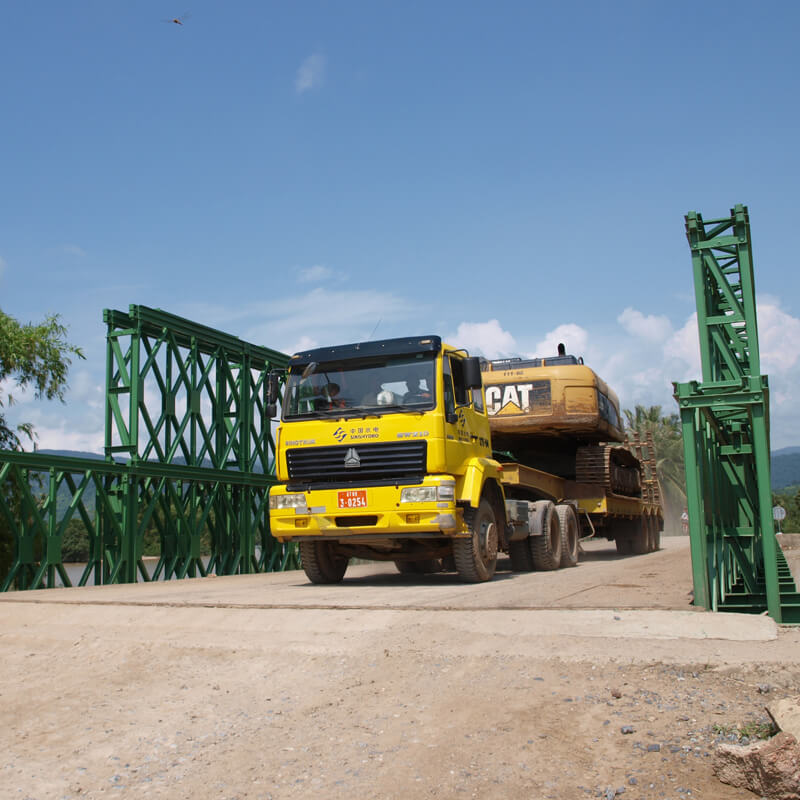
(185, 408)
(737, 564)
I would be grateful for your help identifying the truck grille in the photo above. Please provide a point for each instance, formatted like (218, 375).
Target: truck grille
(367, 462)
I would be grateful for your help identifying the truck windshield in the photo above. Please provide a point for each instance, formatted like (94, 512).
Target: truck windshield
(355, 387)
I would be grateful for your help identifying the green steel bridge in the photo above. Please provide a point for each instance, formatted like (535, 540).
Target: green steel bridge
(190, 455)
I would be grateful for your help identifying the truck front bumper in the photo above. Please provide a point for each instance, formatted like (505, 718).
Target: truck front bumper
(379, 511)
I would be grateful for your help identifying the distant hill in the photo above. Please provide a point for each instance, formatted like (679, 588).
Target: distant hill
(785, 467)
(785, 451)
(70, 453)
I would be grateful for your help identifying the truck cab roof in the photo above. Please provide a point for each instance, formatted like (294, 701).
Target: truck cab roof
(381, 347)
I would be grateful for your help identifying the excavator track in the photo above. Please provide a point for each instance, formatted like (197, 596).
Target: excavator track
(611, 466)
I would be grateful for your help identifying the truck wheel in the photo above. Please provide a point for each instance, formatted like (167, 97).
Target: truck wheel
(419, 567)
(568, 523)
(476, 557)
(657, 524)
(545, 544)
(623, 536)
(519, 552)
(624, 544)
(640, 536)
(653, 534)
(321, 563)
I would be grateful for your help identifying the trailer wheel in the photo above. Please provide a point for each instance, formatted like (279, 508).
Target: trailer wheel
(654, 534)
(623, 538)
(640, 536)
(624, 544)
(568, 523)
(658, 526)
(419, 567)
(476, 557)
(545, 545)
(321, 562)
(519, 552)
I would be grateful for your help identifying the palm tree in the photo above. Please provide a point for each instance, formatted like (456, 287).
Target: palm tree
(666, 432)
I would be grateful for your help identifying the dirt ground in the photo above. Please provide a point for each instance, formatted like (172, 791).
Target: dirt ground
(599, 681)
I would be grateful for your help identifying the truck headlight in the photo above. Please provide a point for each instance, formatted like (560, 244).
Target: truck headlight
(277, 501)
(428, 494)
(418, 494)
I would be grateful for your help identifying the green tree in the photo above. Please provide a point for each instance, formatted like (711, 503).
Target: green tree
(75, 544)
(37, 356)
(789, 498)
(668, 441)
(33, 356)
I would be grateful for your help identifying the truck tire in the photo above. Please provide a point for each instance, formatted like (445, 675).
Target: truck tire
(419, 567)
(476, 557)
(656, 534)
(321, 563)
(622, 537)
(568, 523)
(545, 544)
(519, 552)
(640, 536)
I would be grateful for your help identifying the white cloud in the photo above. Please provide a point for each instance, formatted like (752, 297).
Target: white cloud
(304, 343)
(574, 337)
(643, 357)
(778, 338)
(642, 367)
(63, 436)
(683, 346)
(330, 316)
(73, 250)
(484, 338)
(315, 274)
(311, 73)
(83, 388)
(654, 328)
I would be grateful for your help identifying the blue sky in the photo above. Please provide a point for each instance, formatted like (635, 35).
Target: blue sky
(506, 174)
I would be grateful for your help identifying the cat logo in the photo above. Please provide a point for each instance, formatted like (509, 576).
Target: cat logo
(351, 459)
(517, 398)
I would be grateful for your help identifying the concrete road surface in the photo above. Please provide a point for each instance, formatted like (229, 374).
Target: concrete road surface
(387, 686)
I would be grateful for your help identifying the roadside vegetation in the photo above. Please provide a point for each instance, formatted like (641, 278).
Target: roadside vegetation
(33, 357)
(789, 498)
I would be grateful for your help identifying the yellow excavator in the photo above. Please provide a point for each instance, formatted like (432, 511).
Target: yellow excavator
(556, 428)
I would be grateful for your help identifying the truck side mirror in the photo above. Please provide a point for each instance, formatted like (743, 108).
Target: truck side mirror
(472, 373)
(273, 387)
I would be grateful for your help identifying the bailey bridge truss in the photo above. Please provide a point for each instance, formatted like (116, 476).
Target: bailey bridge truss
(737, 564)
(189, 459)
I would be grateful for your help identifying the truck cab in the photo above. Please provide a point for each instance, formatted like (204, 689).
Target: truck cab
(384, 453)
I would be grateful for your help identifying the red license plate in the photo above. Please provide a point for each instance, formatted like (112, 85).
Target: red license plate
(353, 498)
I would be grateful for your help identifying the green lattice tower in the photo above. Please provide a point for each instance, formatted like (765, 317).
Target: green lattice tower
(736, 562)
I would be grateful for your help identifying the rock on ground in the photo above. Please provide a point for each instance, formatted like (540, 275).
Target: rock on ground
(771, 768)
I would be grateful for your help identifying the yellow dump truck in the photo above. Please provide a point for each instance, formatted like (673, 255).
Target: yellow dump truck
(384, 452)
